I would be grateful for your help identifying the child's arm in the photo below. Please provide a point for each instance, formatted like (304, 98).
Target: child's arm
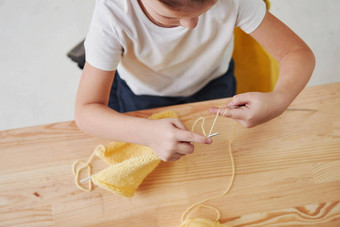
(296, 66)
(169, 138)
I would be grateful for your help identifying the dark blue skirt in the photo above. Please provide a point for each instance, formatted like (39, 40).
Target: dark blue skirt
(122, 99)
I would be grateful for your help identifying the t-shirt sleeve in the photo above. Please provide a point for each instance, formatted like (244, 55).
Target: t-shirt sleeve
(250, 14)
(103, 49)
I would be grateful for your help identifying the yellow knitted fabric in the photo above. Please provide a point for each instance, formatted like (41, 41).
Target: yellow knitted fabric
(255, 68)
(129, 164)
(124, 177)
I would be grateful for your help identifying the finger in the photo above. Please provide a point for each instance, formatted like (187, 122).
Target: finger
(214, 110)
(185, 148)
(225, 112)
(175, 157)
(177, 123)
(238, 114)
(239, 100)
(191, 137)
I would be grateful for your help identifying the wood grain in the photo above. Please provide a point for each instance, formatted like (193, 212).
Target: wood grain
(287, 172)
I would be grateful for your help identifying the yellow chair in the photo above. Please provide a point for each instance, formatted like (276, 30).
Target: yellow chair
(255, 68)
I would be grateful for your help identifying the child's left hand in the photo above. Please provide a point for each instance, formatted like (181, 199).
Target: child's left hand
(254, 108)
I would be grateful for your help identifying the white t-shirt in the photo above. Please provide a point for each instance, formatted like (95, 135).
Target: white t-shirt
(160, 61)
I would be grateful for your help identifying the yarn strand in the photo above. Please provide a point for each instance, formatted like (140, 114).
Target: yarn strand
(78, 166)
(189, 211)
(76, 172)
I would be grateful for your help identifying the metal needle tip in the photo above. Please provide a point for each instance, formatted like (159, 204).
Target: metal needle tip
(214, 134)
(300, 109)
(86, 179)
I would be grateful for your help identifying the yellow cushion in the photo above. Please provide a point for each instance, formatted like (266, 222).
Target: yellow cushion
(255, 68)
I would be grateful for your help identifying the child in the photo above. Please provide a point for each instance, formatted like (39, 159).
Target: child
(176, 51)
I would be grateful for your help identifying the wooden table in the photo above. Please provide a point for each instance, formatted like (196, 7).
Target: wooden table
(288, 172)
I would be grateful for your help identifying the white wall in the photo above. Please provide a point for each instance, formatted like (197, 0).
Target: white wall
(38, 82)
(318, 24)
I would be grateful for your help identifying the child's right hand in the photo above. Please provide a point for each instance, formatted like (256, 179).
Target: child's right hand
(170, 139)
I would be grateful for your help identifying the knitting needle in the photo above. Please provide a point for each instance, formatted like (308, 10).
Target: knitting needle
(289, 109)
(214, 134)
(90, 177)
(300, 109)
(86, 179)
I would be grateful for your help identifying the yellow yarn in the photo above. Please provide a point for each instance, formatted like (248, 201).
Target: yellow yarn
(129, 164)
(126, 176)
(76, 172)
(202, 222)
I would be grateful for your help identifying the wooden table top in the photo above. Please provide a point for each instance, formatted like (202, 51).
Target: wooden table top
(287, 172)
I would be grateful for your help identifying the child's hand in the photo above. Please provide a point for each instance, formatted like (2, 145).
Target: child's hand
(254, 108)
(170, 139)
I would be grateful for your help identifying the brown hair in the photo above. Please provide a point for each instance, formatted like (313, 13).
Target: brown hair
(180, 4)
